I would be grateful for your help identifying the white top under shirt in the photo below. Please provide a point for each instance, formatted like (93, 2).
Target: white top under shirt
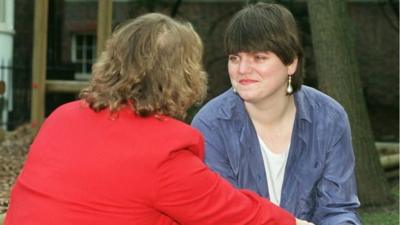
(274, 165)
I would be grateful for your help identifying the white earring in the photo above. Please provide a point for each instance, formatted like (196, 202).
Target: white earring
(234, 90)
(289, 89)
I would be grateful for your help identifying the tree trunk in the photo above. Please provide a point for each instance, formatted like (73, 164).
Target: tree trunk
(338, 76)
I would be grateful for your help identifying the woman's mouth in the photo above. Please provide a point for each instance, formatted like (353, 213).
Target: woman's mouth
(247, 81)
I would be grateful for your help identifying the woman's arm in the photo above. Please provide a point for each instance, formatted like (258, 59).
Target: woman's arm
(190, 193)
(337, 190)
(216, 156)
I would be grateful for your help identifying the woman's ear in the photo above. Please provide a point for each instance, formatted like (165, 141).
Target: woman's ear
(292, 67)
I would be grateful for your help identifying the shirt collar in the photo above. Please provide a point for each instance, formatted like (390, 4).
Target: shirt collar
(302, 104)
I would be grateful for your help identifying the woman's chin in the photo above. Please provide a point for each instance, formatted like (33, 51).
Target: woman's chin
(248, 97)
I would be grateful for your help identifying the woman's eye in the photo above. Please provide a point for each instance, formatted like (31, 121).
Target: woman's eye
(260, 58)
(233, 58)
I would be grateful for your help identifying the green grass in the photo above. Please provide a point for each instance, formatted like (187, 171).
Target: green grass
(387, 215)
(380, 217)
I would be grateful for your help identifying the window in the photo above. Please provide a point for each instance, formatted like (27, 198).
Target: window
(83, 54)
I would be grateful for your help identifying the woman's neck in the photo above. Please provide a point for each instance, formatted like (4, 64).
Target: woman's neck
(271, 111)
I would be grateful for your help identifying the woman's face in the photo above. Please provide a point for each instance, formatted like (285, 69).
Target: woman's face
(257, 76)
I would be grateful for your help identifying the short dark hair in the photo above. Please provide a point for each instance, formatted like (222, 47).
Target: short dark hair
(266, 27)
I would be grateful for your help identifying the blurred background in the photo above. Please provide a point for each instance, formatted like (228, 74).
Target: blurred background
(72, 36)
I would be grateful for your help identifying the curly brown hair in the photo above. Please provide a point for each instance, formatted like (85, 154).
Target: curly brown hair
(154, 64)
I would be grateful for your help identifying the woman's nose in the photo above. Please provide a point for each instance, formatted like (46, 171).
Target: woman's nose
(244, 67)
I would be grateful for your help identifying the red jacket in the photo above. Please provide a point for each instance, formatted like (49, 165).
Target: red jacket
(88, 168)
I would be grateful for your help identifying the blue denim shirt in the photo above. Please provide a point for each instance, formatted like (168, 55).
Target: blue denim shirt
(319, 183)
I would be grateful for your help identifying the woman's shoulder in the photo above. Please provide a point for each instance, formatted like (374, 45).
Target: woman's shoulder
(222, 106)
(70, 106)
(174, 135)
(318, 101)
(174, 126)
(67, 111)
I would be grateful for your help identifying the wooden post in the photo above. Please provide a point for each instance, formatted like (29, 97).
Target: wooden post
(65, 86)
(104, 22)
(39, 82)
(39, 62)
(389, 161)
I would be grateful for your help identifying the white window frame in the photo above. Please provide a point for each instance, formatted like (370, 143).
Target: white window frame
(82, 72)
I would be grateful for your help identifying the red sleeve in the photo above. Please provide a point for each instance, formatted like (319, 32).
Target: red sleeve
(191, 194)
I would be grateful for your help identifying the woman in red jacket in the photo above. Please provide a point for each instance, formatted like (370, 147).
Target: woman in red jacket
(120, 156)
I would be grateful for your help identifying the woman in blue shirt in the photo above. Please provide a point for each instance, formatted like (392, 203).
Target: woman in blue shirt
(271, 134)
